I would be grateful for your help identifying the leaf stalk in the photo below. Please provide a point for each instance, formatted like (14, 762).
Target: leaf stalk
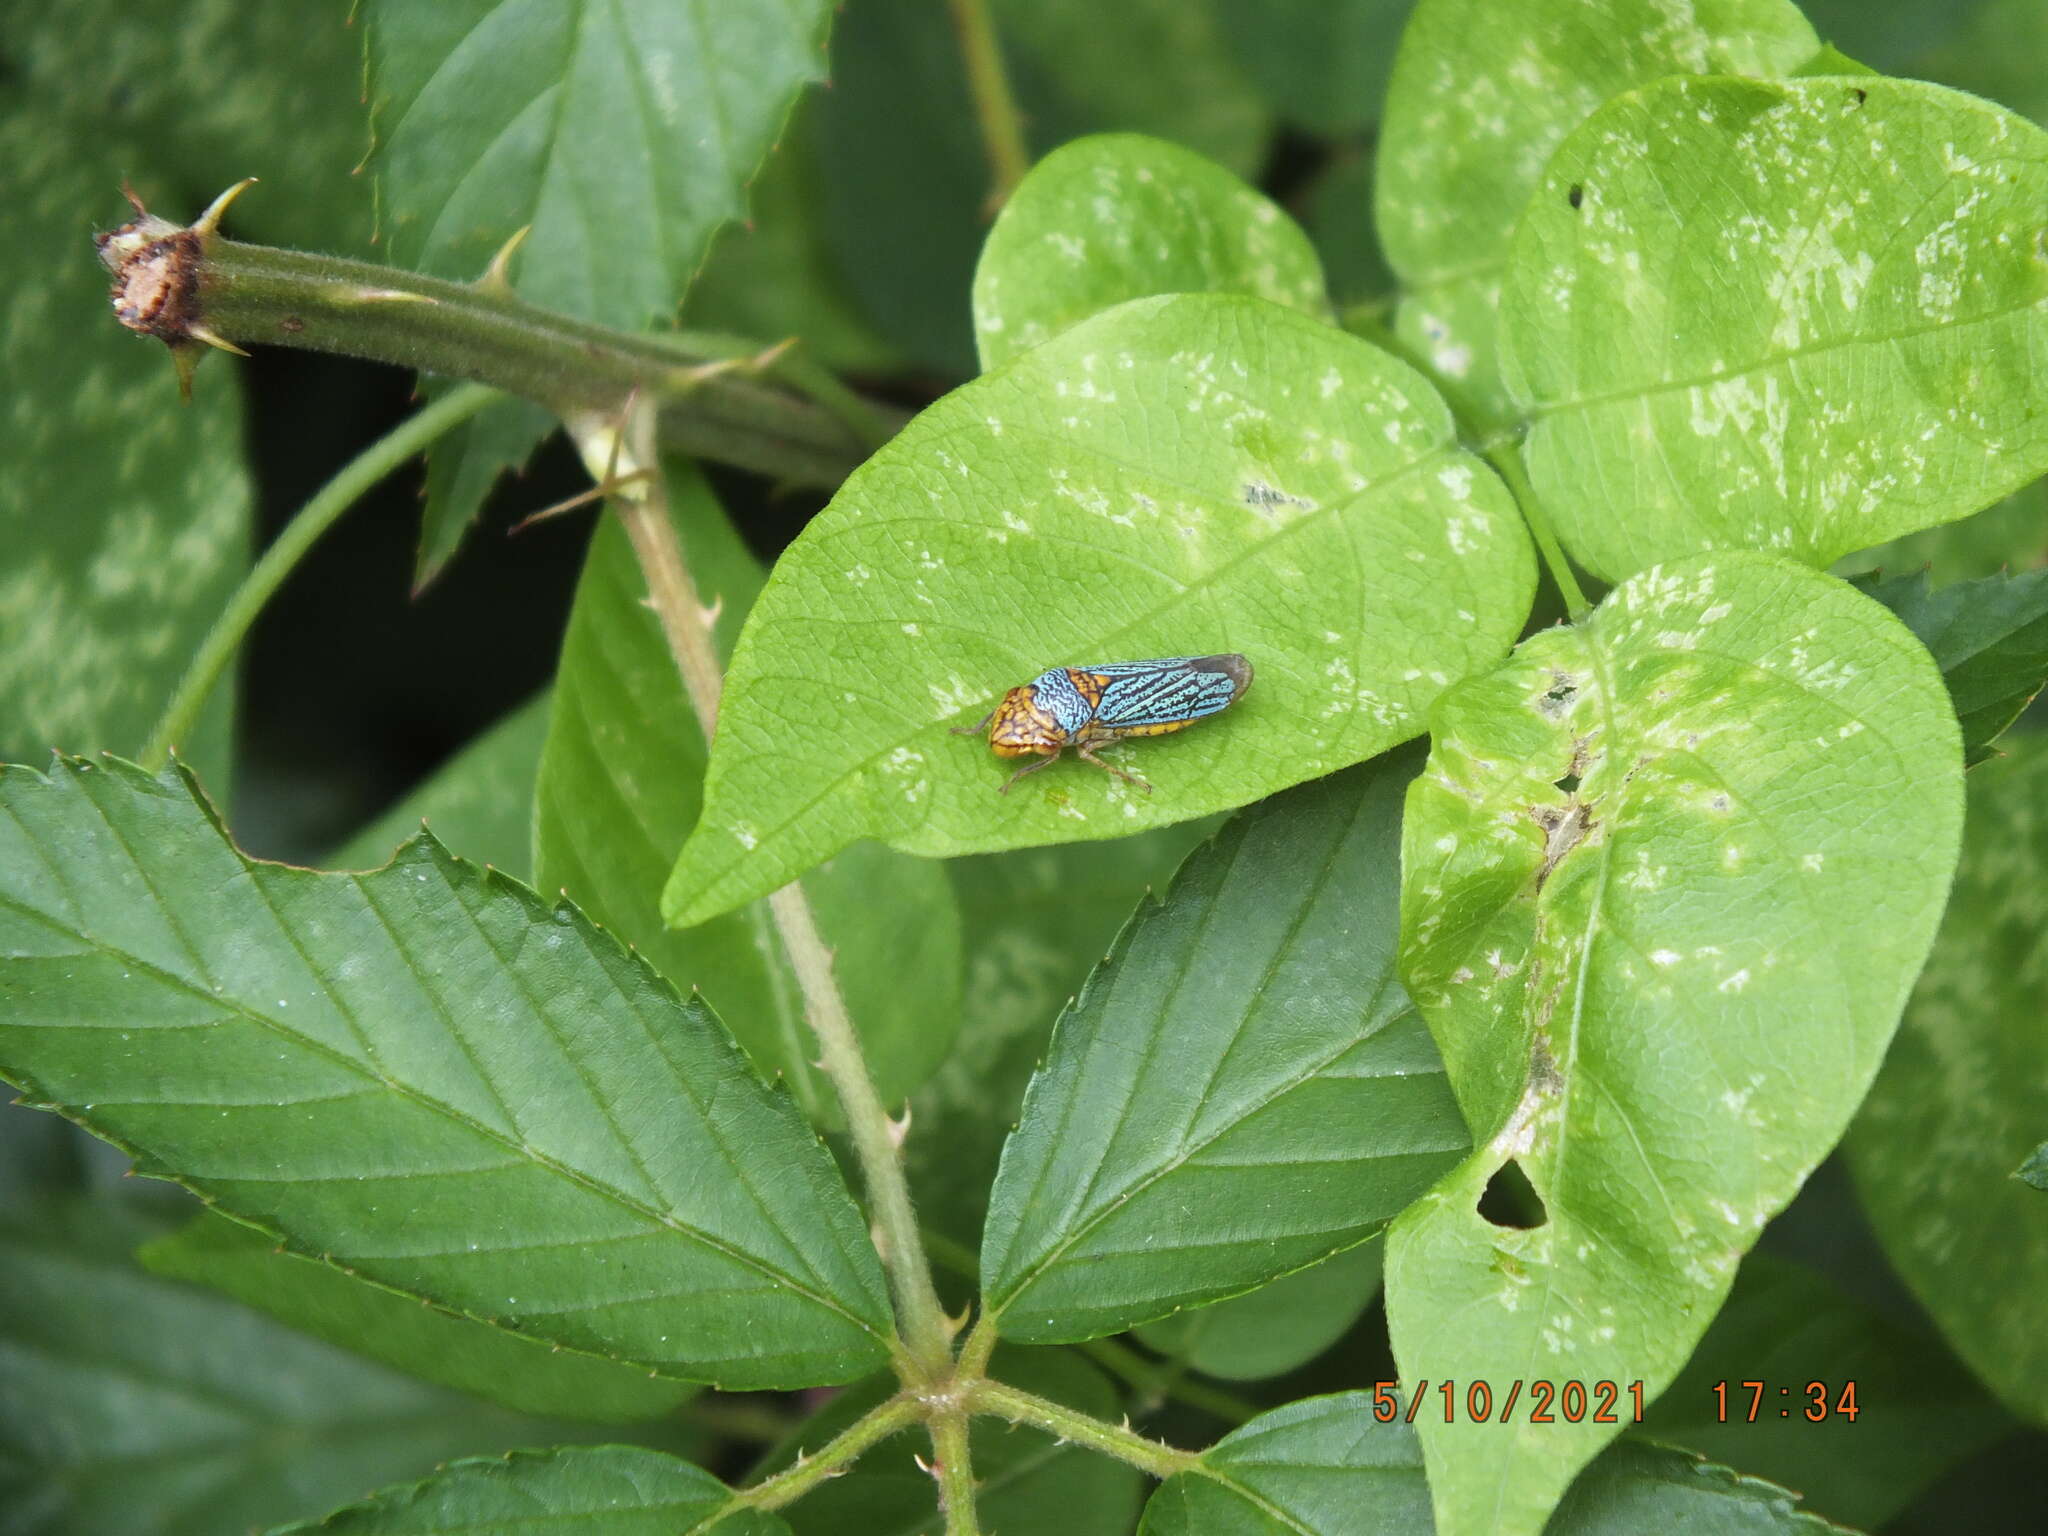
(1507, 458)
(995, 108)
(1152, 1456)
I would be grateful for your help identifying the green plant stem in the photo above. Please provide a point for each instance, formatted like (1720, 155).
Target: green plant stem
(711, 404)
(282, 557)
(1153, 1456)
(1506, 458)
(953, 1467)
(671, 591)
(892, 1417)
(1144, 1376)
(995, 109)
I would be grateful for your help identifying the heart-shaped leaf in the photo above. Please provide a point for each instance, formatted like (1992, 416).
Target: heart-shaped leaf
(1120, 216)
(1640, 874)
(1478, 100)
(1800, 316)
(427, 1075)
(1241, 1088)
(1175, 476)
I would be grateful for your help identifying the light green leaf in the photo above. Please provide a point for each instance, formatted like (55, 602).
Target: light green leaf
(1797, 316)
(2035, 1169)
(1324, 1464)
(1625, 874)
(1478, 101)
(1990, 639)
(326, 1302)
(1241, 1089)
(621, 786)
(1962, 1099)
(1120, 216)
(1178, 475)
(2013, 535)
(906, 180)
(1279, 1326)
(429, 1076)
(1034, 922)
(480, 801)
(124, 518)
(1917, 1413)
(1321, 64)
(139, 1405)
(1028, 1483)
(613, 1490)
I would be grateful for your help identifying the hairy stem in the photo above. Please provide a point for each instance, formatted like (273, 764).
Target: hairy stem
(892, 1417)
(642, 505)
(995, 109)
(1153, 1456)
(282, 557)
(1506, 458)
(953, 1468)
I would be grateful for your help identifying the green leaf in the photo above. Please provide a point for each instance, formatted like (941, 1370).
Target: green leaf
(906, 180)
(1624, 874)
(1321, 64)
(1797, 316)
(1120, 216)
(427, 1075)
(1028, 1483)
(1197, 473)
(326, 1302)
(1279, 1326)
(2035, 1169)
(1990, 639)
(1476, 105)
(1034, 921)
(134, 1404)
(463, 468)
(621, 785)
(1338, 217)
(480, 800)
(2012, 534)
(125, 519)
(1962, 1099)
(1917, 1412)
(1325, 1464)
(1241, 1089)
(616, 1490)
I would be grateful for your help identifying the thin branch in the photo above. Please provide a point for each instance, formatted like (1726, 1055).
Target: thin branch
(355, 478)
(1153, 1456)
(995, 109)
(953, 1470)
(837, 1454)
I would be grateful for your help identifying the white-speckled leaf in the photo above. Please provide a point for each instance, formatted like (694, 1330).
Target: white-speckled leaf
(1121, 216)
(1804, 316)
(123, 517)
(1641, 876)
(1479, 98)
(1176, 476)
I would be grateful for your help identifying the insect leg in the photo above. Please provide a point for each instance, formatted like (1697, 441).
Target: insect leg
(1087, 751)
(974, 730)
(1049, 758)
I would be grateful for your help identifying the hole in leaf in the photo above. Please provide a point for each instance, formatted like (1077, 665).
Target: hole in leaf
(1510, 1200)
(1568, 783)
(1857, 96)
(1576, 196)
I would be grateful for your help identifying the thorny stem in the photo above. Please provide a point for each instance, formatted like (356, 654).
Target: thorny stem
(833, 1458)
(642, 505)
(953, 1468)
(1155, 1457)
(1507, 458)
(1002, 129)
(282, 557)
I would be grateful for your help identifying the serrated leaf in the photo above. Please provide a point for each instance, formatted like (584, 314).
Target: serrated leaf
(326, 1302)
(479, 802)
(1027, 1483)
(621, 786)
(1120, 216)
(425, 1074)
(134, 1404)
(463, 468)
(1476, 105)
(1178, 475)
(1034, 922)
(600, 1490)
(1917, 1413)
(1962, 1100)
(1797, 315)
(125, 519)
(1281, 1325)
(1990, 639)
(1624, 879)
(1241, 1089)
(1325, 1465)
(1321, 64)
(906, 180)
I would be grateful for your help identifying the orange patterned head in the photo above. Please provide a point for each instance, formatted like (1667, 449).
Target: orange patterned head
(1022, 729)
